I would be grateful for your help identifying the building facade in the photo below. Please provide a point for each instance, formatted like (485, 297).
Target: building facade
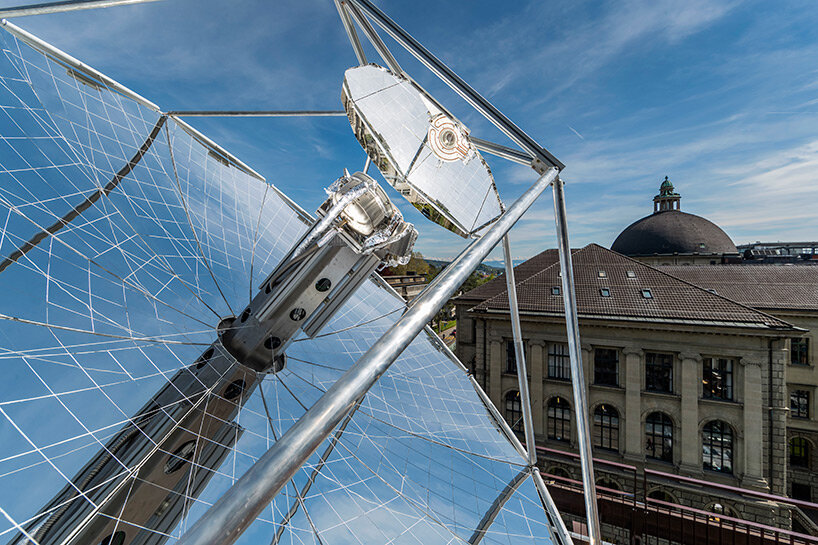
(681, 379)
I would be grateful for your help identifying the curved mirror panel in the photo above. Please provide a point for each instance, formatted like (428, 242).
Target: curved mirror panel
(420, 149)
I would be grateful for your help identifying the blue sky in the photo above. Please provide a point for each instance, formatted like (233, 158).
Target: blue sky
(722, 96)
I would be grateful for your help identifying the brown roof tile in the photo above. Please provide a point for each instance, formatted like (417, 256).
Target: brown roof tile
(758, 286)
(672, 299)
(522, 271)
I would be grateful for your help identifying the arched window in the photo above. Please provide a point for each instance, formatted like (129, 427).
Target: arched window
(514, 411)
(717, 447)
(661, 495)
(559, 419)
(606, 427)
(610, 484)
(799, 452)
(659, 437)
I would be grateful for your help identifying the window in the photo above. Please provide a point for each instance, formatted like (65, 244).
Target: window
(511, 358)
(717, 380)
(801, 491)
(659, 437)
(514, 411)
(799, 351)
(717, 447)
(605, 292)
(559, 419)
(799, 452)
(799, 404)
(659, 372)
(606, 427)
(630, 274)
(606, 364)
(661, 495)
(559, 362)
(555, 290)
(602, 274)
(647, 294)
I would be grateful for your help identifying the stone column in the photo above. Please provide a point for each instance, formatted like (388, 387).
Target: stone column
(632, 382)
(496, 374)
(753, 475)
(775, 373)
(689, 444)
(536, 366)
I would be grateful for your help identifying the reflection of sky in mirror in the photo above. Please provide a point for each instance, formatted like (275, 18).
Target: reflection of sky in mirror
(130, 292)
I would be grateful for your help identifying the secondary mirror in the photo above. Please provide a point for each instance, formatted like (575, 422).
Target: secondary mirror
(421, 149)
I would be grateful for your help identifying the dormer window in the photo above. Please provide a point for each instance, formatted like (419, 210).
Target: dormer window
(605, 292)
(602, 274)
(555, 290)
(631, 274)
(647, 294)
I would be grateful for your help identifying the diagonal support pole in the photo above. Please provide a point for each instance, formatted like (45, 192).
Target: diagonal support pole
(236, 510)
(68, 5)
(519, 354)
(351, 33)
(373, 37)
(569, 298)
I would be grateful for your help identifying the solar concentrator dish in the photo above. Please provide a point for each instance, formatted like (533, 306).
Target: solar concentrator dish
(127, 238)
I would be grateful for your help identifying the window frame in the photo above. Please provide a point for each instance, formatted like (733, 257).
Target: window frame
(800, 403)
(558, 362)
(513, 413)
(655, 369)
(606, 427)
(717, 440)
(803, 350)
(659, 442)
(712, 382)
(559, 421)
(599, 375)
(799, 453)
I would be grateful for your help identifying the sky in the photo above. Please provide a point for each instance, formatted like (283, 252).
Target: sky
(721, 96)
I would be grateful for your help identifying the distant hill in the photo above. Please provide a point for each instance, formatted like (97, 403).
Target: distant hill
(488, 267)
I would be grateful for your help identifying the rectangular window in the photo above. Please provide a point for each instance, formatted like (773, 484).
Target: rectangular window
(606, 366)
(799, 351)
(717, 379)
(559, 363)
(799, 403)
(511, 358)
(659, 372)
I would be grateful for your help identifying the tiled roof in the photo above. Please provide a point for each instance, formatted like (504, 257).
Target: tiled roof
(522, 271)
(758, 286)
(671, 299)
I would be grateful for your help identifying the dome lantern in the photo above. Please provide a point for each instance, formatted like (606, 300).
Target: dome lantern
(667, 199)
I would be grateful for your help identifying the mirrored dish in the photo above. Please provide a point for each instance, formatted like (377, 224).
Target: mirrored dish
(421, 149)
(127, 237)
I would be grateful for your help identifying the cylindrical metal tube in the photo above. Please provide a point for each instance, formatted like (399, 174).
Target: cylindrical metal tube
(519, 354)
(225, 521)
(68, 5)
(569, 299)
(351, 34)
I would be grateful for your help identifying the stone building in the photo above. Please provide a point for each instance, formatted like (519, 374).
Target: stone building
(681, 378)
(672, 237)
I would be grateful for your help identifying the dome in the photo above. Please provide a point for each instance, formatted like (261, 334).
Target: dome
(670, 232)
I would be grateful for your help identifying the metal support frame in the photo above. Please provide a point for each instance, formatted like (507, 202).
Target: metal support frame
(372, 36)
(258, 113)
(519, 354)
(510, 154)
(569, 299)
(351, 33)
(236, 510)
(496, 506)
(67, 5)
(455, 82)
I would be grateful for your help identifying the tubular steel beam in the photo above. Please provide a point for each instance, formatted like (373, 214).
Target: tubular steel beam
(455, 82)
(496, 506)
(569, 299)
(68, 5)
(511, 154)
(351, 33)
(373, 37)
(236, 510)
(519, 354)
(258, 113)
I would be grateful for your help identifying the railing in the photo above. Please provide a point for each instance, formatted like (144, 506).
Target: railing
(652, 521)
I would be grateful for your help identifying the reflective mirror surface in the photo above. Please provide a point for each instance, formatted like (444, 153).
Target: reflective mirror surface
(420, 149)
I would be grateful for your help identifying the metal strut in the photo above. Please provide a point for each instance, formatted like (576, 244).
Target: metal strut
(67, 5)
